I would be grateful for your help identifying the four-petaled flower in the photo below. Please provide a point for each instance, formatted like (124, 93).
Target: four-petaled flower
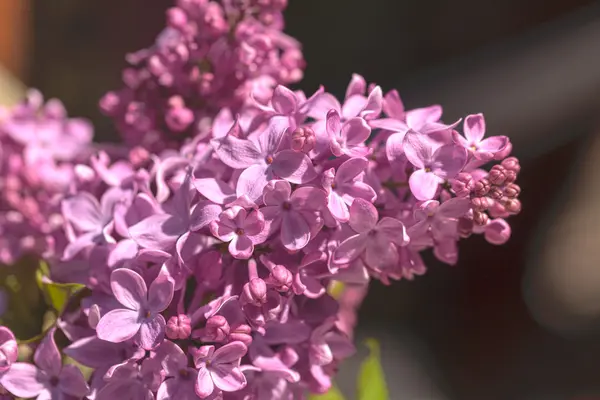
(141, 316)
(261, 160)
(433, 164)
(219, 368)
(482, 149)
(241, 229)
(297, 213)
(50, 379)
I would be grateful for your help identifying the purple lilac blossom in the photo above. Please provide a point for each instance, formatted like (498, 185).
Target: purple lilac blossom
(208, 242)
(213, 55)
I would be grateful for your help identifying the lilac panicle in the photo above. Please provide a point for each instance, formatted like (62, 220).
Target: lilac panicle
(211, 55)
(210, 241)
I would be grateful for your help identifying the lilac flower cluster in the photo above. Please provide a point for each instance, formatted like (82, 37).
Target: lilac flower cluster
(209, 265)
(210, 242)
(38, 148)
(212, 54)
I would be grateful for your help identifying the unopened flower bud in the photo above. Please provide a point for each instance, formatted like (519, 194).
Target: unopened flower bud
(482, 187)
(179, 327)
(241, 333)
(497, 232)
(110, 103)
(497, 175)
(255, 292)
(511, 176)
(481, 203)
(178, 118)
(463, 184)
(496, 193)
(303, 139)
(511, 164)
(281, 278)
(513, 206)
(176, 18)
(139, 156)
(512, 191)
(216, 329)
(480, 218)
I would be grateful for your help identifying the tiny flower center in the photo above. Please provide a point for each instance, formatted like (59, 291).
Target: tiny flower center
(269, 159)
(239, 231)
(427, 169)
(473, 147)
(184, 373)
(333, 185)
(148, 314)
(54, 381)
(286, 205)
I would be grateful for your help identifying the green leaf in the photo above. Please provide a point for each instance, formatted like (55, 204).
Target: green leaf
(57, 294)
(336, 288)
(333, 394)
(371, 380)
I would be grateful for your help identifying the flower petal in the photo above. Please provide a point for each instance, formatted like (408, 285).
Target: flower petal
(83, 212)
(158, 232)
(284, 100)
(493, 144)
(356, 130)
(350, 169)
(204, 383)
(363, 216)
(94, 352)
(72, 382)
(230, 353)
(129, 288)
(271, 137)
(295, 232)
(393, 230)
(374, 104)
(358, 190)
(161, 292)
(294, 166)
(235, 152)
(338, 207)
(203, 214)
(118, 325)
(322, 105)
(454, 208)
(252, 181)
(152, 332)
(227, 377)
(449, 160)
(22, 380)
(420, 116)
(350, 249)
(333, 123)
(394, 147)
(47, 356)
(474, 128)
(215, 190)
(276, 192)
(241, 247)
(423, 185)
(254, 223)
(308, 198)
(417, 148)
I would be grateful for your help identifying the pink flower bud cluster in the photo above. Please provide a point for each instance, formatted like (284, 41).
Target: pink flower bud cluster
(212, 54)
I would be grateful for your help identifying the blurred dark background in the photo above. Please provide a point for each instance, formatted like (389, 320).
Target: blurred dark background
(512, 322)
